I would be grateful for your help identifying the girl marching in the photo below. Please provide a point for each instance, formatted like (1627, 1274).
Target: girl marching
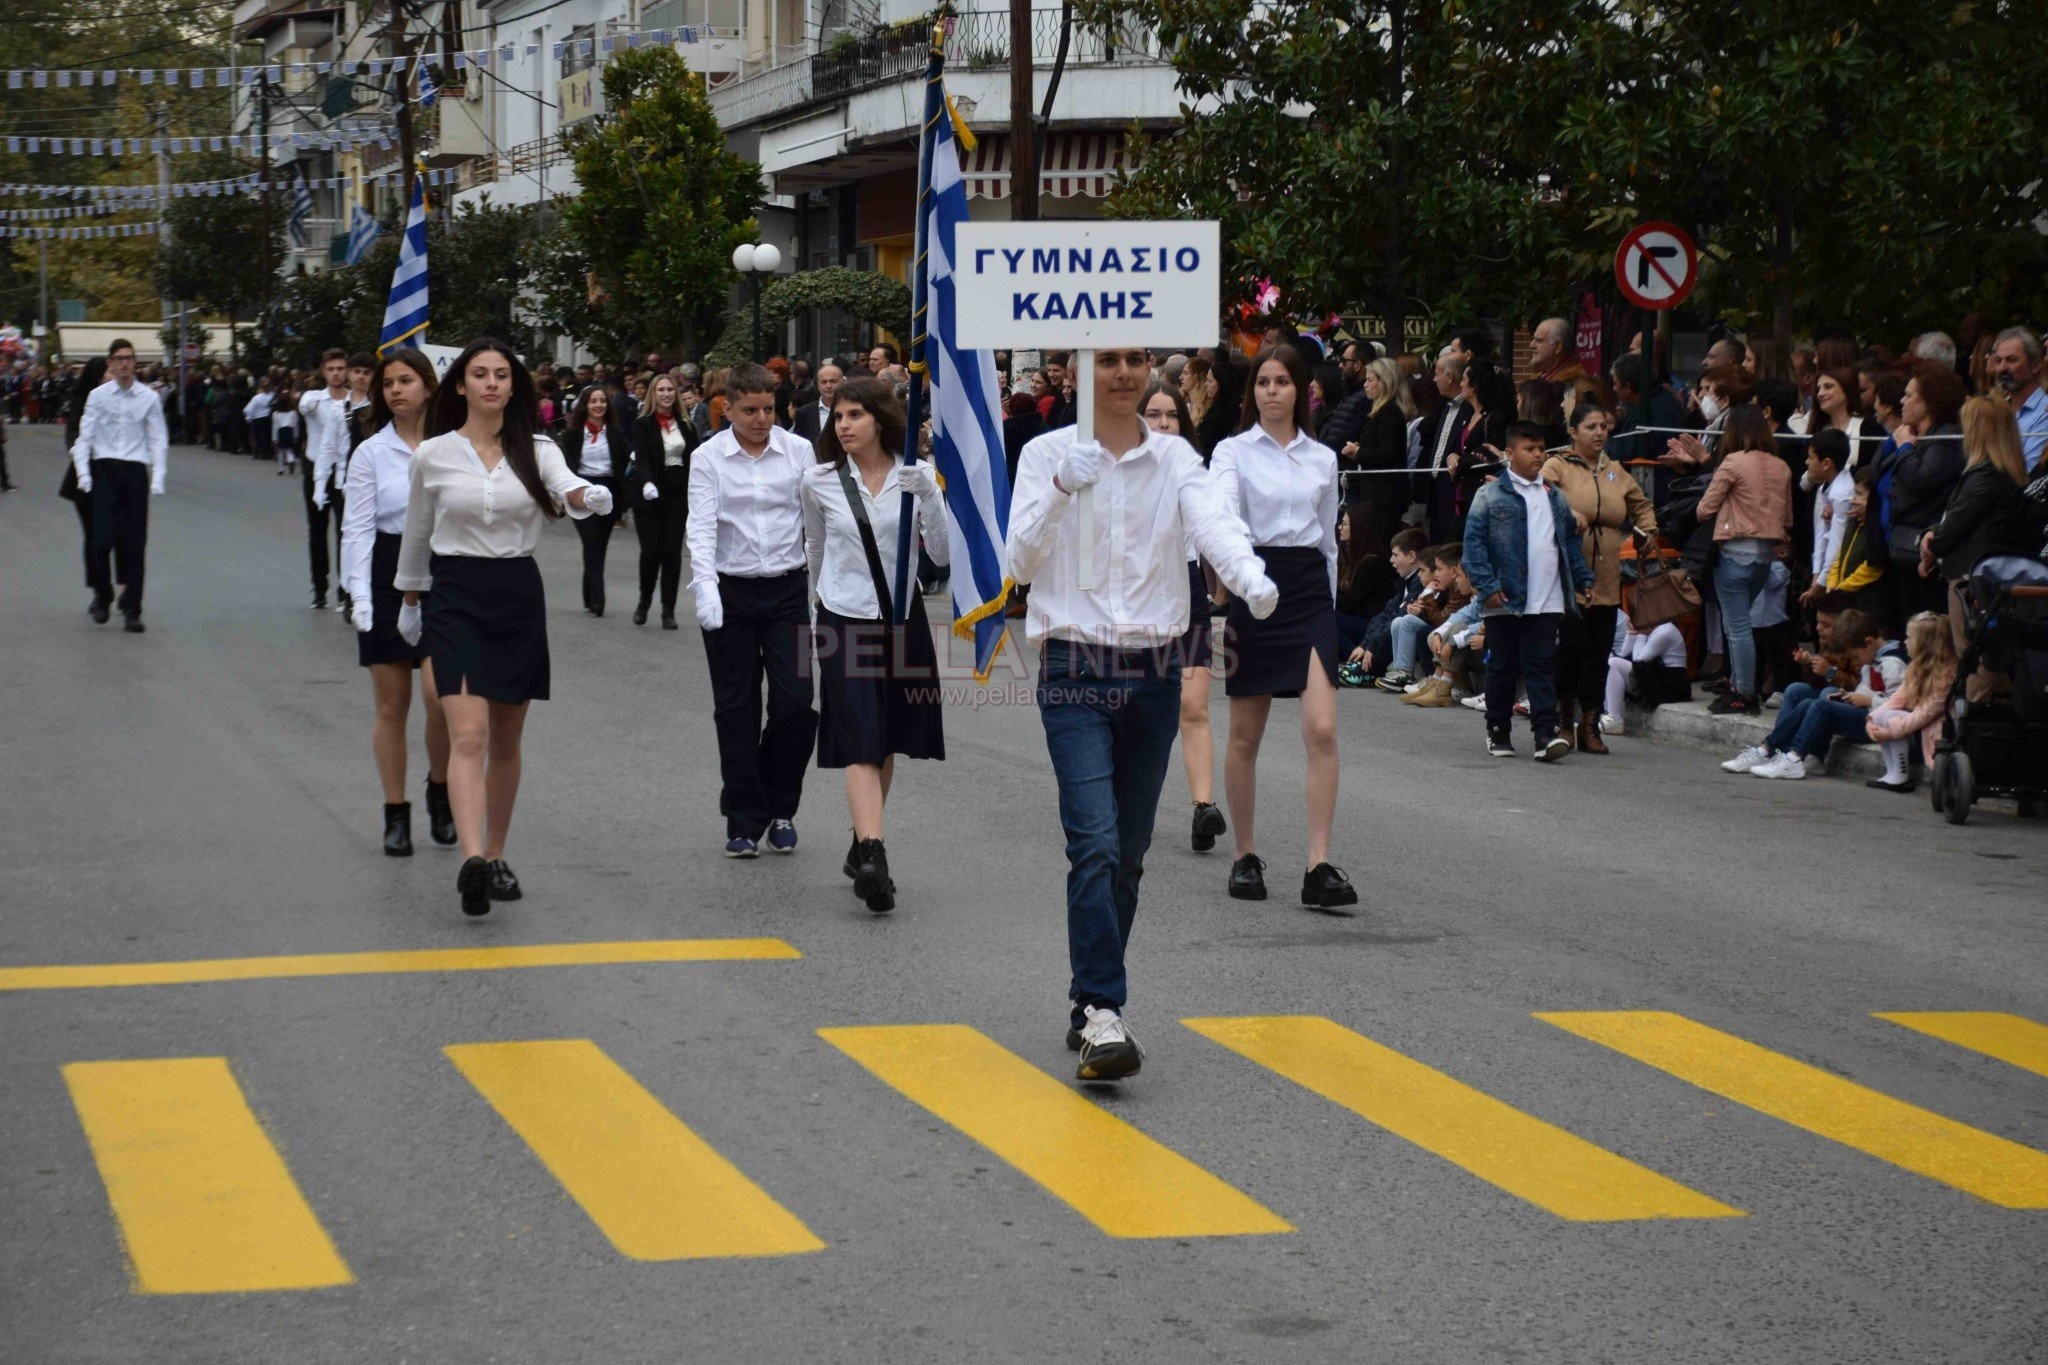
(599, 441)
(379, 476)
(662, 441)
(1283, 484)
(877, 679)
(480, 488)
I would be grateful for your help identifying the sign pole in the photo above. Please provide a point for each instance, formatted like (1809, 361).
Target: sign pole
(1083, 369)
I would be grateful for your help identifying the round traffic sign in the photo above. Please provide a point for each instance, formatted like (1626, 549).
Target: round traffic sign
(1657, 265)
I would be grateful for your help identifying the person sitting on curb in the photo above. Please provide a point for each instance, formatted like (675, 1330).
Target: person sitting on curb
(1808, 722)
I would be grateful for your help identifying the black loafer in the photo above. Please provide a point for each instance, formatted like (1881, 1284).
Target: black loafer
(101, 610)
(851, 867)
(668, 621)
(398, 829)
(871, 881)
(132, 623)
(1248, 878)
(1208, 824)
(504, 886)
(474, 883)
(640, 615)
(1906, 788)
(1324, 887)
(440, 815)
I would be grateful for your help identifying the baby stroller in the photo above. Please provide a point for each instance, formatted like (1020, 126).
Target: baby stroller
(1998, 748)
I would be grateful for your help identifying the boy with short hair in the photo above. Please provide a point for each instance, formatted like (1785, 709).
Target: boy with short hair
(1524, 559)
(1450, 642)
(1376, 647)
(1411, 623)
(1810, 720)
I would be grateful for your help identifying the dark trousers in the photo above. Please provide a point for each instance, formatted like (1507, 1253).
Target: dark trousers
(316, 526)
(259, 439)
(767, 632)
(120, 530)
(660, 526)
(83, 505)
(596, 535)
(1583, 644)
(1522, 649)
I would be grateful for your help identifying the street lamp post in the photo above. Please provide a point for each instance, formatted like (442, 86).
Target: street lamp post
(760, 260)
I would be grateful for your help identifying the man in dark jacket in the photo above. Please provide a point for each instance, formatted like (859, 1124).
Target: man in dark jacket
(1345, 421)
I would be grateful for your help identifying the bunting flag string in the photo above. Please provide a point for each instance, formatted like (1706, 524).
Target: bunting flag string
(67, 234)
(342, 139)
(130, 196)
(368, 67)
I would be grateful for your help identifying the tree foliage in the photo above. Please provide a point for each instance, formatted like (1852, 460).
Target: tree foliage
(662, 206)
(214, 255)
(867, 294)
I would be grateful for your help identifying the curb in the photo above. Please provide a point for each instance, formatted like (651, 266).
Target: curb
(1690, 723)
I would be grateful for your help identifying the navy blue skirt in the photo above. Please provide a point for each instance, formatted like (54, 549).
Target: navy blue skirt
(1269, 658)
(1197, 645)
(381, 643)
(875, 700)
(487, 628)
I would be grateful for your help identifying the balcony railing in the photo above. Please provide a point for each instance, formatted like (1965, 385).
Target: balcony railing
(757, 96)
(527, 158)
(981, 39)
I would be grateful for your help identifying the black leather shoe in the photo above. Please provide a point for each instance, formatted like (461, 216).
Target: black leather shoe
(1906, 788)
(640, 614)
(132, 623)
(1248, 878)
(320, 599)
(100, 610)
(668, 621)
(851, 867)
(474, 882)
(504, 886)
(871, 879)
(1325, 888)
(440, 815)
(1208, 824)
(398, 829)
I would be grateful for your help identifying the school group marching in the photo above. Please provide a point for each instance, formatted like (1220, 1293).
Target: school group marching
(441, 491)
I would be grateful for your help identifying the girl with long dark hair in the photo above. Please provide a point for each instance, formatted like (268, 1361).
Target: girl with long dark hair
(373, 524)
(600, 445)
(875, 683)
(1283, 484)
(481, 485)
(663, 439)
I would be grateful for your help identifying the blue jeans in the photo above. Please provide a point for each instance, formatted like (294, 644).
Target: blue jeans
(1409, 633)
(1736, 586)
(1110, 719)
(1791, 711)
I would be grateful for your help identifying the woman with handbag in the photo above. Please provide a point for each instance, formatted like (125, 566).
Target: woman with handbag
(598, 451)
(1914, 486)
(663, 440)
(1750, 500)
(877, 677)
(1989, 514)
(1606, 501)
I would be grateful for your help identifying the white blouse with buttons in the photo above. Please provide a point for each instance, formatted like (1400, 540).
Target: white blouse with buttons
(840, 575)
(597, 452)
(455, 506)
(379, 481)
(1286, 495)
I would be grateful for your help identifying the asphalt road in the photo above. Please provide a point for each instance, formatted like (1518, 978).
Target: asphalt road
(206, 791)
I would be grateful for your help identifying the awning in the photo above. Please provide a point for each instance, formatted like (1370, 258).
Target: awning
(1070, 165)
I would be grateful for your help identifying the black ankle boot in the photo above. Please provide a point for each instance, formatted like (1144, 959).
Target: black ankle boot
(398, 829)
(871, 876)
(640, 612)
(440, 816)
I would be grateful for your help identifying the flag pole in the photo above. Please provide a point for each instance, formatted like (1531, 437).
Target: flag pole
(934, 110)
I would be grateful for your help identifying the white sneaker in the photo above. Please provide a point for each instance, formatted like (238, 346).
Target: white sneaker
(1610, 724)
(1476, 702)
(1460, 694)
(1785, 767)
(1774, 701)
(1108, 1052)
(1412, 688)
(1754, 756)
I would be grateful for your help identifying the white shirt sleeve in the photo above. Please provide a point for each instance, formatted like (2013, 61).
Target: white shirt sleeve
(814, 538)
(1213, 525)
(1035, 510)
(1326, 514)
(700, 533)
(81, 449)
(359, 528)
(931, 525)
(556, 478)
(416, 548)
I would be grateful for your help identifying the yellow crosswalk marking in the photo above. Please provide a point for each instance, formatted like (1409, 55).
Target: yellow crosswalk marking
(203, 1199)
(72, 977)
(1988, 1166)
(652, 1186)
(2007, 1037)
(1117, 1178)
(1500, 1144)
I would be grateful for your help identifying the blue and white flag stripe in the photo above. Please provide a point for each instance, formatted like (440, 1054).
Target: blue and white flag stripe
(967, 431)
(405, 311)
(301, 210)
(363, 230)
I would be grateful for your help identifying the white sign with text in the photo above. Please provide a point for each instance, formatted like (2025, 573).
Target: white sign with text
(1086, 285)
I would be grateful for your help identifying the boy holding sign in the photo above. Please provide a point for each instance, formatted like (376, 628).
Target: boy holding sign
(1109, 682)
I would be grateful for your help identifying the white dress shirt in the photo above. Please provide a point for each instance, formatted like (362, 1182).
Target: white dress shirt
(597, 451)
(1285, 495)
(746, 513)
(673, 453)
(123, 424)
(1545, 594)
(838, 561)
(379, 481)
(1830, 518)
(1149, 506)
(455, 506)
(258, 408)
(327, 435)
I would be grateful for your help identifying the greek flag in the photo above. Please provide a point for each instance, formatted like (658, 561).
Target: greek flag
(428, 90)
(302, 209)
(966, 406)
(363, 230)
(405, 311)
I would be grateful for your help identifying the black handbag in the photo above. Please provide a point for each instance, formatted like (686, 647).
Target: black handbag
(1903, 543)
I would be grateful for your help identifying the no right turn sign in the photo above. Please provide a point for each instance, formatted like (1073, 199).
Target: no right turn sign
(1657, 265)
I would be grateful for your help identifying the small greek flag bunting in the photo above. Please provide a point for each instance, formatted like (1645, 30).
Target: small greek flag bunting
(405, 312)
(362, 229)
(302, 210)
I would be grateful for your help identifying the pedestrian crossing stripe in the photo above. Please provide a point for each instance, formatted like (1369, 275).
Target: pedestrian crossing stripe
(1106, 1170)
(78, 976)
(655, 1189)
(2007, 1037)
(204, 1201)
(1996, 1170)
(1517, 1152)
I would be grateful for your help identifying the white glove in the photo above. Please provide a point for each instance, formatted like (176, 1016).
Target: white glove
(919, 480)
(598, 499)
(410, 625)
(650, 492)
(1082, 467)
(320, 498)
(85, 483)
(1261, 597)
(710, 607)
(157, 489)
(359, 613)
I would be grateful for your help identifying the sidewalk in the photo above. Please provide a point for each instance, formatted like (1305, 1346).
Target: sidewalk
(1690, 723)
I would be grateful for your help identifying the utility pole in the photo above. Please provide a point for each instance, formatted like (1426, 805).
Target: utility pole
(403, 115)
(263, 178)
(49, 336)
(1023, 136)
(163, 237)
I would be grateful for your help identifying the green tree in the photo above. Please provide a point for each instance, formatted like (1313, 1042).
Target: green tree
(214, 244)
(662, 206)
